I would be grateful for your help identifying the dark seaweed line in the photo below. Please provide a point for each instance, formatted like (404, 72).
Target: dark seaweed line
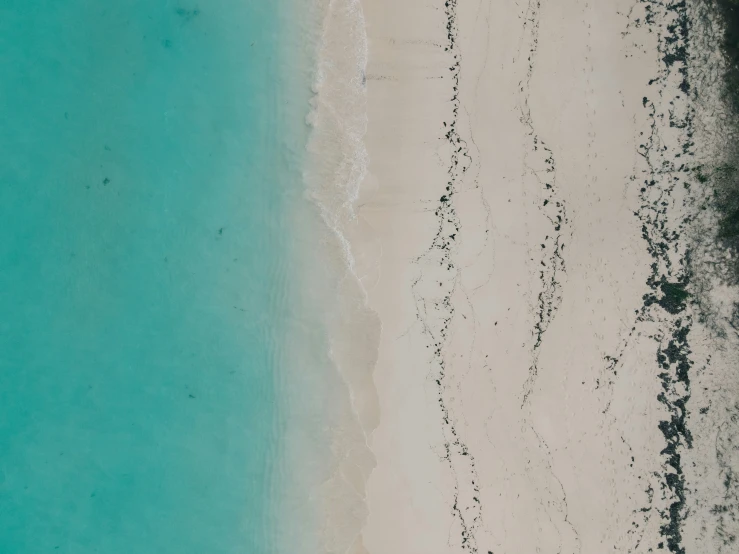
(552, 262)
(553, 207)
(441, 250)
(666, 304)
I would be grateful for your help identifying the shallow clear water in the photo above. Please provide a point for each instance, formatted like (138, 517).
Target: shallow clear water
(143, 185)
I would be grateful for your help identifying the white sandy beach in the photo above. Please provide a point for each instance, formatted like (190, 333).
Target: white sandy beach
(524, 171)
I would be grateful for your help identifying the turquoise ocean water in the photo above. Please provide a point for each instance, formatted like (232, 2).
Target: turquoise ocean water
(145, 188)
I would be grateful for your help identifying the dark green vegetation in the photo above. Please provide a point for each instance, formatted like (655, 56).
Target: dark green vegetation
(729, 10)
(674, 297)
(726, 182)
(725, 179)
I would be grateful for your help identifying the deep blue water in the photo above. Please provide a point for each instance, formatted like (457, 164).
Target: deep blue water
(142, 236)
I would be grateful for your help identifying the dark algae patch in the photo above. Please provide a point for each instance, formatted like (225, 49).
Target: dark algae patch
(675, 363)
(673, 299)
(187, 14)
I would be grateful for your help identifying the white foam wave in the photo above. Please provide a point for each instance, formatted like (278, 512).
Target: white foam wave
(336, 167)
(338, 158)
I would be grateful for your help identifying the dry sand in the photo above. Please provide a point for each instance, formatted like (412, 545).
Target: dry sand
(516, 234)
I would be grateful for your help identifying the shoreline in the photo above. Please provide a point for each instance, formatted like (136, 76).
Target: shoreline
(334, 281)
